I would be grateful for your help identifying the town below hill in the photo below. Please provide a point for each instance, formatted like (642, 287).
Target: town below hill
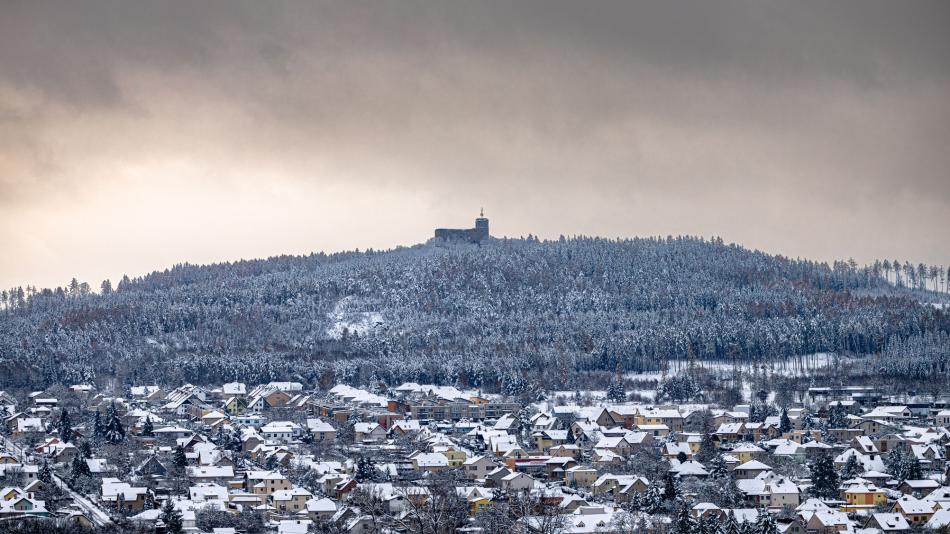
(279, 457)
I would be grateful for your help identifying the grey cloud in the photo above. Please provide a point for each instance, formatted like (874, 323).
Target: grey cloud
(601, 117)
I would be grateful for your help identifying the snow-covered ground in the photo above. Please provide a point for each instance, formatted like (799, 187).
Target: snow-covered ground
(795, 366)
(346, 317)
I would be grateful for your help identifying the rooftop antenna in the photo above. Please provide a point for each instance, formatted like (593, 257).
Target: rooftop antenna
(482, 213)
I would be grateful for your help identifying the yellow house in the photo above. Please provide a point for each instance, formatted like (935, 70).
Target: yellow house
(478, 504)
(862, 495)
(11, 493)
(746, 452)
(479, 499)
(695, 442)
(234, 405)
(545, 439)
(456, 458)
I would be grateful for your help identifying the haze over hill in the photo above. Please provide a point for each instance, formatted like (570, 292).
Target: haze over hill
(499, 316)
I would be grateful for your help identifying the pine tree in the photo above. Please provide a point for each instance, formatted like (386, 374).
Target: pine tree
(765, 523)
(670, 487)
(836, 417)
(707, 525)
(180, 460)
(46, 472)
(808, 422)
(234, 441)
(896, 464)
(363, 469)
(718, 468)
(147, 429)
(85, 450)
(615, 391)
(785, 424)
(824, 477)
(78, 468)
(98, 429)
(64, 427)
(172, 518)
(912, 470)
(707, 449)
(114, 431)
(730, 526)
(683, 523)
(653, 500)
(732, 496)
(636, 502)
(852, 468)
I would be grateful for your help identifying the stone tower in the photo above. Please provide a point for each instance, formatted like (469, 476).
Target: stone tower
(481, 226)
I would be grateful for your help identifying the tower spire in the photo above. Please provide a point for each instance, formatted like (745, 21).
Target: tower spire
(482, 213)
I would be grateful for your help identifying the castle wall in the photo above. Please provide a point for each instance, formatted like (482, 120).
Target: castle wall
(470, 235)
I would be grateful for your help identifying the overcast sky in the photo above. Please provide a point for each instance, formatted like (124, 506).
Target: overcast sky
(136, 135)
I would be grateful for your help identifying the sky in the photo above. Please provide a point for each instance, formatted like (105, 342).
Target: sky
(138, 135)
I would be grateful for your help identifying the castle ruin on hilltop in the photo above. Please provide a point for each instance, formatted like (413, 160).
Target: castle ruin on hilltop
(467, 235)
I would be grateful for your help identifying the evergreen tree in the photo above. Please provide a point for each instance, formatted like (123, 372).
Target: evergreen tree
(64, 426)
(234, 440)
(78, 468)
(85, 450)
(147, 429)
(615, 391)
(836, 417)
(730, 526)
(683, 523)
(896, 464)
(765, 523)
(731, 495)
(718, 468)
(808, 422)
(707, 525)
(172, 518)
(670, 487)
(46, 472)
(824, 477)
(364, 468)
(652, 500)
(785, 424)
(852, 468)
(180, 461)
(912, 470)
(114, 432)
(98, 429)
(707, 449)
(636, 502)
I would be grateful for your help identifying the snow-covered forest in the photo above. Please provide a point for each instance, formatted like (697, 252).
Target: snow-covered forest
(491, 316)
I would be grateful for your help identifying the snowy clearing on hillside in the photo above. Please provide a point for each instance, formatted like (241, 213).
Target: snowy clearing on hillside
(344, 318)
(796, 366)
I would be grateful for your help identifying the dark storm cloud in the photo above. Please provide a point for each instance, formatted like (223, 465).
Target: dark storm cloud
(809, 128)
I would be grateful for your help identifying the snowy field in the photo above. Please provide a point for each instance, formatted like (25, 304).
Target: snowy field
(345, 317)
(797, 366)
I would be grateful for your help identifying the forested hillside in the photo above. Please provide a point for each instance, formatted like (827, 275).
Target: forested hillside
(493, 316)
